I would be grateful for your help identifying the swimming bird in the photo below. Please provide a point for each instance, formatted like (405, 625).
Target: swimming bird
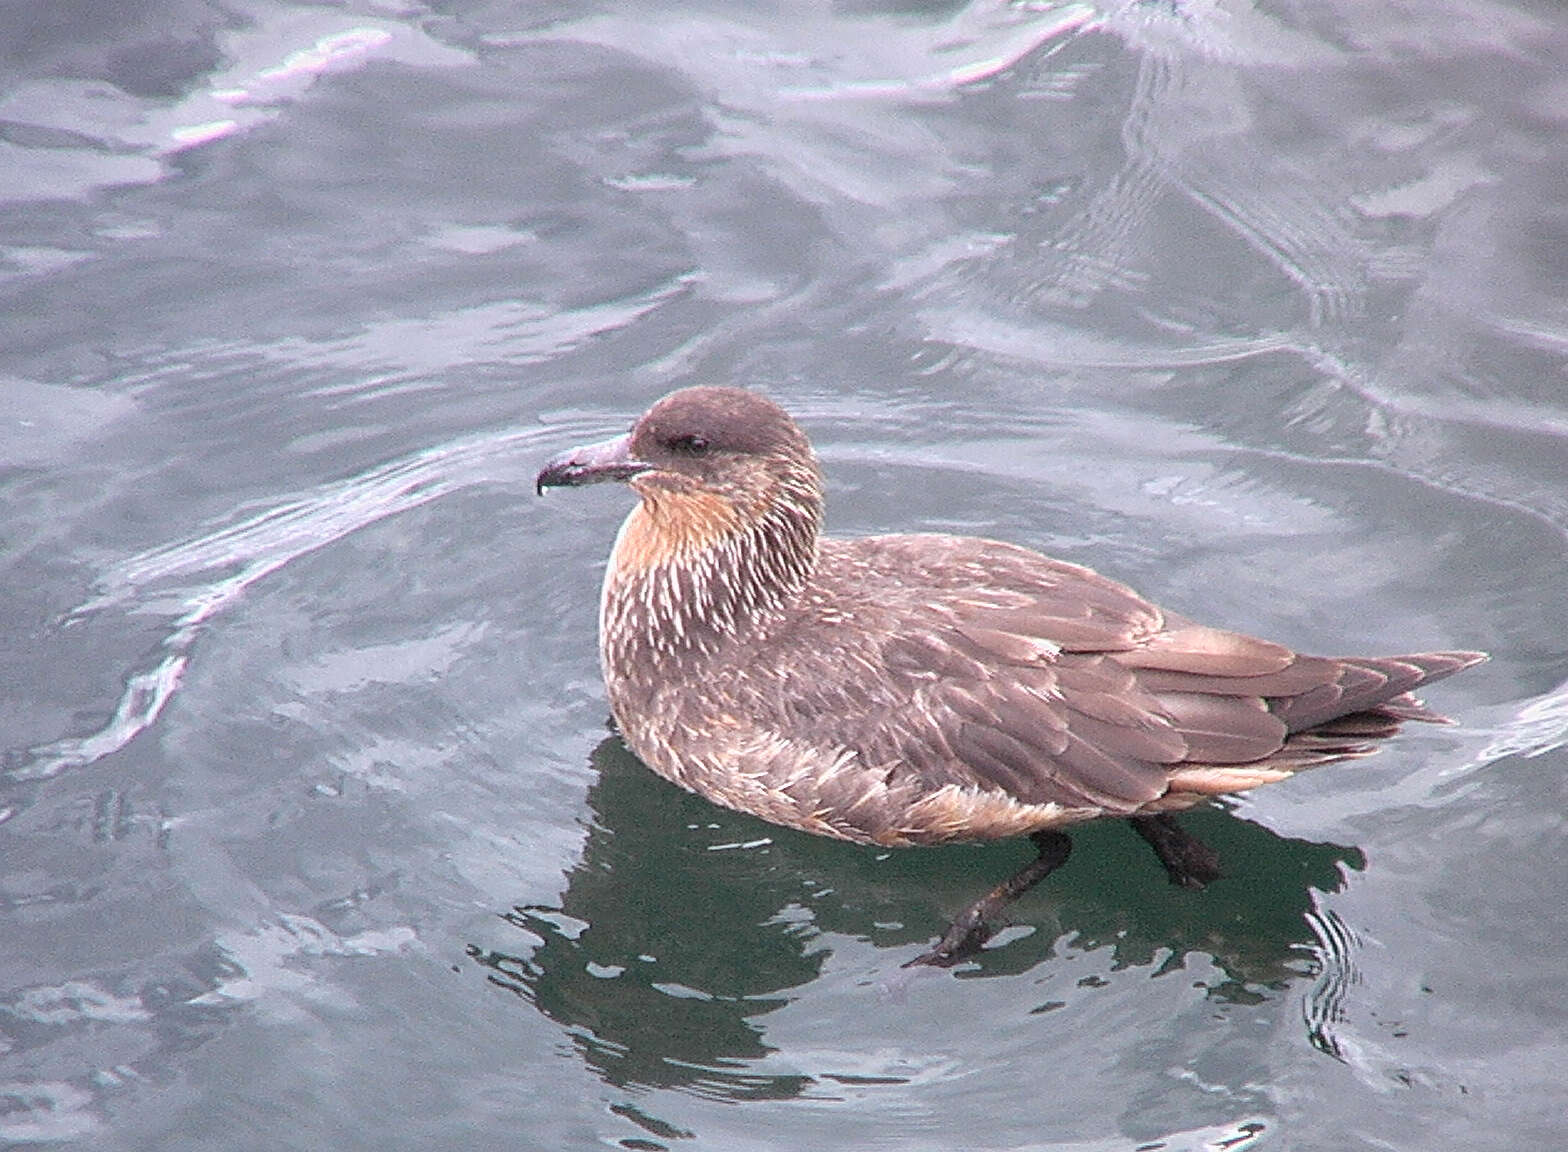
(919, 689)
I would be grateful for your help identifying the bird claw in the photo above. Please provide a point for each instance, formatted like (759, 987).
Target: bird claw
(963, 938)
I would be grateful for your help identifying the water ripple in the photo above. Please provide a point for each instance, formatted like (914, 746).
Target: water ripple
(1323, 1009)
(195, 580)
(1057, 345)
(271, 61)
(1541, 726)
(263, 960)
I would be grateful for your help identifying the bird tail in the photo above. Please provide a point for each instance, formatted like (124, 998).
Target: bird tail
(1371, 696)
(1344, 720)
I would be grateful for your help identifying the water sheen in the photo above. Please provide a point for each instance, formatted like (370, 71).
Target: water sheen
(311, 829)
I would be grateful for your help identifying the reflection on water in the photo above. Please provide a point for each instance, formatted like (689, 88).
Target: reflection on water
(665, 949)
(684, 925)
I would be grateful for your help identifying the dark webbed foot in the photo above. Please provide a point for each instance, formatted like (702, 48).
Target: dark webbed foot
(1188, 861)
(973, 926)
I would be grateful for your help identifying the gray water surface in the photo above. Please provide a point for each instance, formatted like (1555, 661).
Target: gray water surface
(312, 831)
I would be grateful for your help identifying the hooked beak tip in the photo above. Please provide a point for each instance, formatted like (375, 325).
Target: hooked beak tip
(590, 464)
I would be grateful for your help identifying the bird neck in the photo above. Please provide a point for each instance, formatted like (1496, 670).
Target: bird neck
(691, 569)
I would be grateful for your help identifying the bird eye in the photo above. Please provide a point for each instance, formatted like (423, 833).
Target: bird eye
(693, 444)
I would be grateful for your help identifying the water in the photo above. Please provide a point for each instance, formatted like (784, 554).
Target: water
(311, 831)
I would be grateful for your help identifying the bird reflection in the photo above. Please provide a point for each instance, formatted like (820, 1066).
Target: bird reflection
(684, 924)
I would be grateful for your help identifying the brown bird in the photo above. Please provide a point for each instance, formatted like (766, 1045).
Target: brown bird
(926, 689)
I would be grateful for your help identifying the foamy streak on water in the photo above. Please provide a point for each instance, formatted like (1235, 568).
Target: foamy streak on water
(255, 547)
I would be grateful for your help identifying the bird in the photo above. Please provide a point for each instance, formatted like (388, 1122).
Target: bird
(916, 689)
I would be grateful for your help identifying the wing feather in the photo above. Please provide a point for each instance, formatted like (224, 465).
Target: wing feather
(1007, 671)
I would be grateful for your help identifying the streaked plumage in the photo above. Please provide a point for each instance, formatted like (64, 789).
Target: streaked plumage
(924, 689)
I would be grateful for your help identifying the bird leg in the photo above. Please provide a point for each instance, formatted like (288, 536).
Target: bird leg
(972, 928)
(1188, 861)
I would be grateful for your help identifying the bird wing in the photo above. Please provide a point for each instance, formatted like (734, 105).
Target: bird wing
(988, 666)
(999, 669)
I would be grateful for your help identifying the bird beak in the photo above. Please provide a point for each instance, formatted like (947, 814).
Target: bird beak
(607, 460)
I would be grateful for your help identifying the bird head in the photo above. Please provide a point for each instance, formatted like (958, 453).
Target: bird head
(719, 458)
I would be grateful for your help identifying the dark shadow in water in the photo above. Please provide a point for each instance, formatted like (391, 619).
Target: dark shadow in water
(684, 923)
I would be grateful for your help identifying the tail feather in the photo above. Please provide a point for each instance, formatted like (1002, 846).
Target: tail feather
(1379, 686)
(1345, 718)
